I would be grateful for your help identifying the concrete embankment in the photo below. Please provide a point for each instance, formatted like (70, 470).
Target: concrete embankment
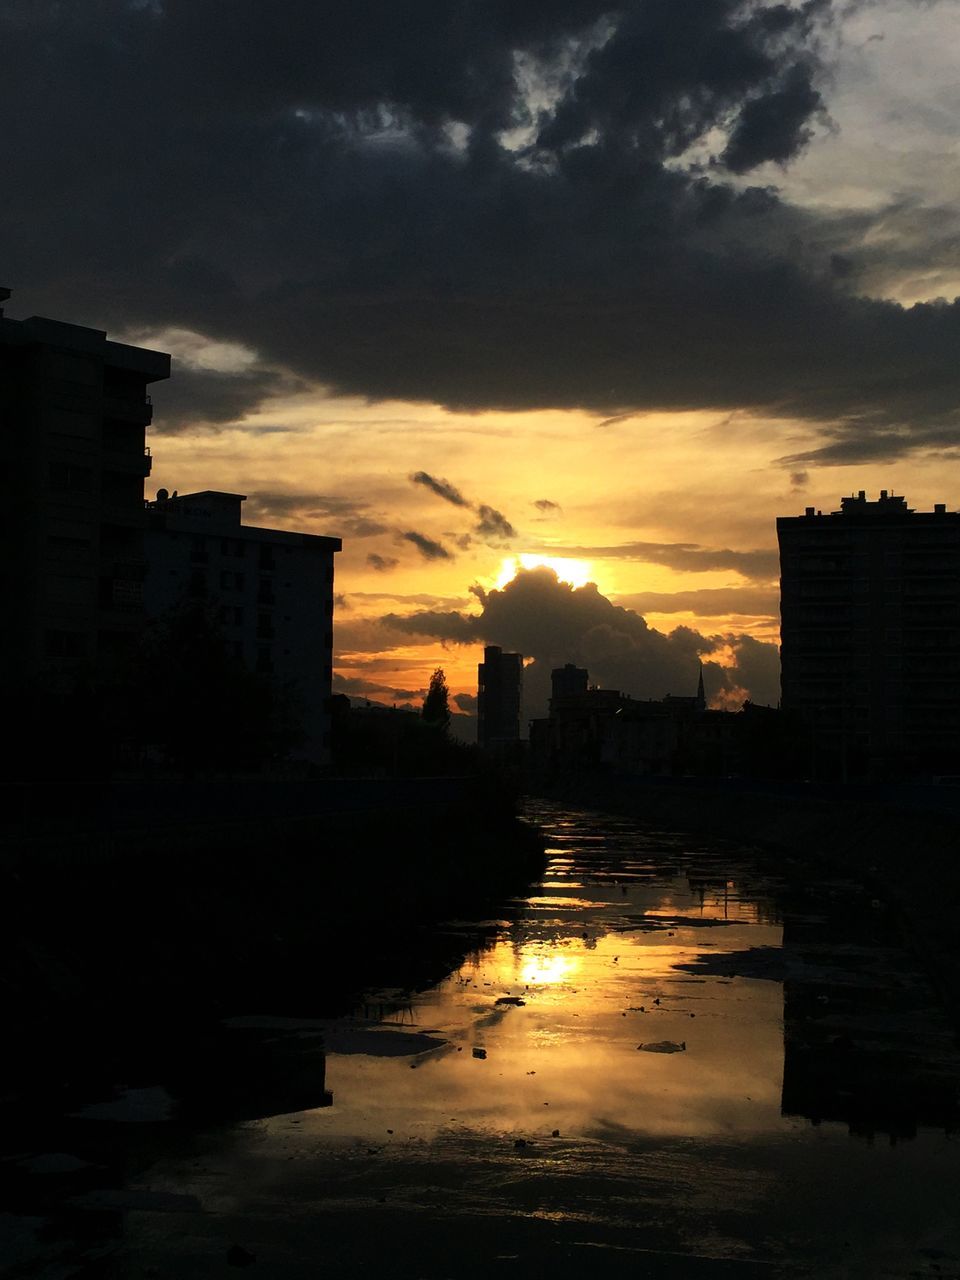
(123, 937)
(902, 841)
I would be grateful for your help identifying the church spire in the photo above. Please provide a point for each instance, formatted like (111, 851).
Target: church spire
(701, 696)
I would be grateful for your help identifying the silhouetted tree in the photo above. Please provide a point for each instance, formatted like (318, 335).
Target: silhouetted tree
(436, 708)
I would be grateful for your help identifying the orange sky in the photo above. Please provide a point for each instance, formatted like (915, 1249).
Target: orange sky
(693, 478)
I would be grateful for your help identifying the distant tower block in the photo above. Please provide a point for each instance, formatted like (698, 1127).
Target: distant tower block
(499, 696)
(567, 682)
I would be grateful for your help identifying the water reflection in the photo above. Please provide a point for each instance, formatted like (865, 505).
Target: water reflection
(505, 1117)
(563, 996)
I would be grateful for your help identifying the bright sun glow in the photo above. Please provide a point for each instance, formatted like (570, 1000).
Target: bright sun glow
(577, 572)
(541, 970)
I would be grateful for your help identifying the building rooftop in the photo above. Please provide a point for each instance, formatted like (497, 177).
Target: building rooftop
(154, 366)
(217, 511)
(857, 506)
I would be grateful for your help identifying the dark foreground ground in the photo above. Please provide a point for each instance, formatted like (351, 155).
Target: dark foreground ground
(671, 1057)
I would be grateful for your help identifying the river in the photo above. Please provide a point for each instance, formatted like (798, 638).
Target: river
(672, 1059)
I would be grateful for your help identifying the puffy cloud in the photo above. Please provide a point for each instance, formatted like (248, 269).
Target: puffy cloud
(555, 623)
(428, 548)
(373, 198)
(442, 488)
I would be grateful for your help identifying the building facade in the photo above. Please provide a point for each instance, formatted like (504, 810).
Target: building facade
(74, 410)
(272, 591)
(870, 636)
(499, 697)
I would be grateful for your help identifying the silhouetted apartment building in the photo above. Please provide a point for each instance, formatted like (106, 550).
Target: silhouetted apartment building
(499, 696)
(870, 636)
(272, 591)
(74, 409)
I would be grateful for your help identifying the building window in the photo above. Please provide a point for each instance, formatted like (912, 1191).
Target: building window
(264, 659)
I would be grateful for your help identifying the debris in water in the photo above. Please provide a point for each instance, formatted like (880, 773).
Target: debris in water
(664, 1046)
(479, 1053)
(514, 1000)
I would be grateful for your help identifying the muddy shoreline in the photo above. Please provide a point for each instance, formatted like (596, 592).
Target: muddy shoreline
(120, 953)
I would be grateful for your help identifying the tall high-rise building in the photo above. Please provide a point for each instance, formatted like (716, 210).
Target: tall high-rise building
(870, 636)
(73, 411)
(271, 590)
(499, 696)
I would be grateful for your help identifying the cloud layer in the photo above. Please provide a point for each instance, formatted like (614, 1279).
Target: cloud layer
(554, 623)
(481, 204)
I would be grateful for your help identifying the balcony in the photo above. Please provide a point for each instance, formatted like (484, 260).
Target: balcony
(127, 460)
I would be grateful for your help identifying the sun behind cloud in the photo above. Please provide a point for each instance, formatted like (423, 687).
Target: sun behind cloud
(577, 572)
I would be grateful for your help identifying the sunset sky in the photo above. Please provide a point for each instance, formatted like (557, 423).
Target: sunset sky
(487, 285)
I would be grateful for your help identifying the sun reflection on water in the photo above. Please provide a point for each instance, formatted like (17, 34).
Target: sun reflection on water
(543, 970)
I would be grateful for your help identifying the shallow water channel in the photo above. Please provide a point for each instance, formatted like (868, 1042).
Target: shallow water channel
(668, 1060)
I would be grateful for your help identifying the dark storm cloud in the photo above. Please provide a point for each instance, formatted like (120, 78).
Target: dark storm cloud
(555, 623)
(870, 445)
(545, 506)
(685, 557)
(442, 488)
(382, 564)
(775, 126)
(466, 702)
(333, 190)
(429, 549)
(207, 397)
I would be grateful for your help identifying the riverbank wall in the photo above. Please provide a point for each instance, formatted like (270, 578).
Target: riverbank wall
(126, 936)
(902, 842)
